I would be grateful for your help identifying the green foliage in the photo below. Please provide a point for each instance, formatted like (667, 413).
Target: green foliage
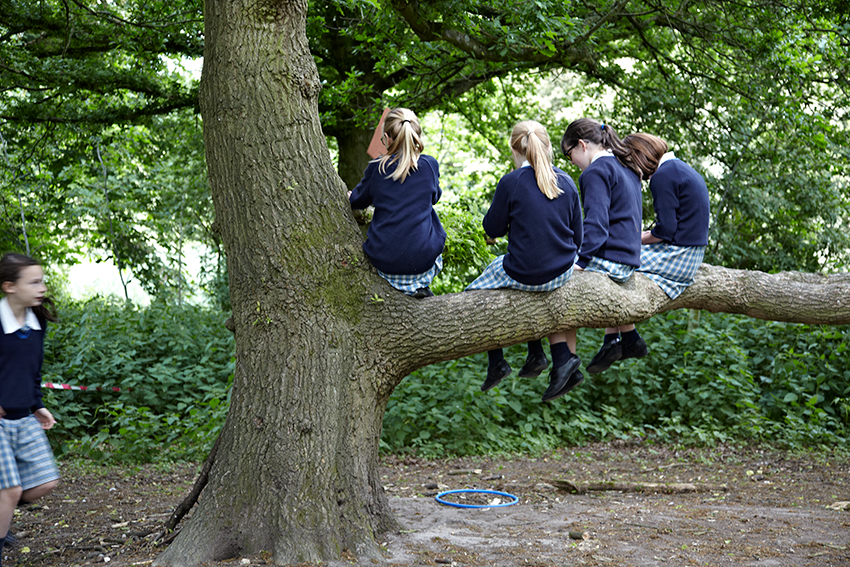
(729, 378)
(465, 253)
(173, 366)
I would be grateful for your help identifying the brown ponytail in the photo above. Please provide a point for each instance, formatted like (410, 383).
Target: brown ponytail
(590, 130)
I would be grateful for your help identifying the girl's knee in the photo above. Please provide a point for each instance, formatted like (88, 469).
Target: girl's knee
(11, 495)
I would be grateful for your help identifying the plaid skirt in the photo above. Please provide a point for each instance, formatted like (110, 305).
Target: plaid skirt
(671, 267)
(409, 283)
(620, 273)
(25, 456)
(494, 276)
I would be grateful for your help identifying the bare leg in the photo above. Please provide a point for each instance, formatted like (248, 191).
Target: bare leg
(36, 492)
(8, 502)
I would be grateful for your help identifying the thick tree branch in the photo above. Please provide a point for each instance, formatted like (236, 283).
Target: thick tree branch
(482, 320)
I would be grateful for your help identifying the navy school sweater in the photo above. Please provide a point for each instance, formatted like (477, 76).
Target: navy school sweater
(405, 235)
(543, 235)
(680, 199)
(610, 193)
(20, 372)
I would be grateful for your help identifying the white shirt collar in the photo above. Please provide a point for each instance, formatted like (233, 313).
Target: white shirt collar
(603, 153)
(525, 164)
(10, 322)
(666, 157)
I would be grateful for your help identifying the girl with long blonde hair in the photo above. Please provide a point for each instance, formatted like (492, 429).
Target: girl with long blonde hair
(537, 207)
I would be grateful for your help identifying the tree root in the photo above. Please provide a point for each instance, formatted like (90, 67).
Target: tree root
(192, 498)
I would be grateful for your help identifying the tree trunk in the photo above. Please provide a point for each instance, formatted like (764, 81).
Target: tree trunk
(353, 158)
(296, 472)
(322, 341)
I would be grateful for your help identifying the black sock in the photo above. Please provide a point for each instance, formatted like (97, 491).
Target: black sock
(630, 337)
(2, 544)
(610, 338)
(535, 347)
(494, 356)
(560, 354)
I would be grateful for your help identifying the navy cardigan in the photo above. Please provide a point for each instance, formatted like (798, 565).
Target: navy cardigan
(405, 235)
(610, 193)
(543, 235)
(680, 199)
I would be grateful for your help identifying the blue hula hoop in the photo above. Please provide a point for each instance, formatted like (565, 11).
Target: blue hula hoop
(439, 498)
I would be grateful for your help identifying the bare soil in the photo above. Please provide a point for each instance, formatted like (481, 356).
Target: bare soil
(752, 506)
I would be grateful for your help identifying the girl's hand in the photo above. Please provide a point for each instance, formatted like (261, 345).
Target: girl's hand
(578, 268)
(45, 418)
(2, 413)
(646, 237)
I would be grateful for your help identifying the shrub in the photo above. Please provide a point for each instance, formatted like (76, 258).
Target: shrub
(172, 365)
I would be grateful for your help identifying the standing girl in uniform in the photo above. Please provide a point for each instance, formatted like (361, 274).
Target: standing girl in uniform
(610, 193)
(537, 206)
(675, 247)
(27, 469)
(405, 238)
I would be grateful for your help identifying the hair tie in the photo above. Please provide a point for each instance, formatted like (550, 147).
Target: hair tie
(603, 127)
(403, 121)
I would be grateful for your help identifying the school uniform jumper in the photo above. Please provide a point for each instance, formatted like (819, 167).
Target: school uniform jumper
(681, 203)
(543, 235)
(611, 196)
(26, 459)
(405, 235)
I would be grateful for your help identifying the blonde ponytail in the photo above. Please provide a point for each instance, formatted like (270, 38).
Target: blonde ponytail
(529, 138)
(402, 126)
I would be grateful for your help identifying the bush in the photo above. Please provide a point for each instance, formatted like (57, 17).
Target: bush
(172, 364)
(728, 377)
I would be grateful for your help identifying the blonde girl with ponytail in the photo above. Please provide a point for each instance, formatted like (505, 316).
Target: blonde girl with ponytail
(405, 238)
(537, 207)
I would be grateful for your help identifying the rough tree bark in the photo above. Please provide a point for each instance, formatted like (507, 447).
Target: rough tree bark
(322, 341)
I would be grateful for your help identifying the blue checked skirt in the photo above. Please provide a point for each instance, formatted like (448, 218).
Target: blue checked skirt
(494, 276)
(25, 456)
(410, 283)
(671, 267)
(620, 273)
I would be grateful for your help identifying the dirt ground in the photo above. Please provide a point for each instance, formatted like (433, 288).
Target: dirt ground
(752, 506)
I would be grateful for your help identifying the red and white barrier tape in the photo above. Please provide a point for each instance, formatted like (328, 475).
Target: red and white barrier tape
(54, 386)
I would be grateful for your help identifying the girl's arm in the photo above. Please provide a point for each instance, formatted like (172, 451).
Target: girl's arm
(597, 202)
(361, 196)
(646, 237)
(497, 221)
(665, 201)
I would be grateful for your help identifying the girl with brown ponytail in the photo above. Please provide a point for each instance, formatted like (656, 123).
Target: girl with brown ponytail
(611, 196)
(27, 468)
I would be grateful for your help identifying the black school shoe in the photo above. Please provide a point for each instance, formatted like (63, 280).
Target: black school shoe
(11, 542)
(637, 349)
(561, 379)
(496, 375)
(576, 378)
(423, 292)
(534, 365)
(609, 354)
